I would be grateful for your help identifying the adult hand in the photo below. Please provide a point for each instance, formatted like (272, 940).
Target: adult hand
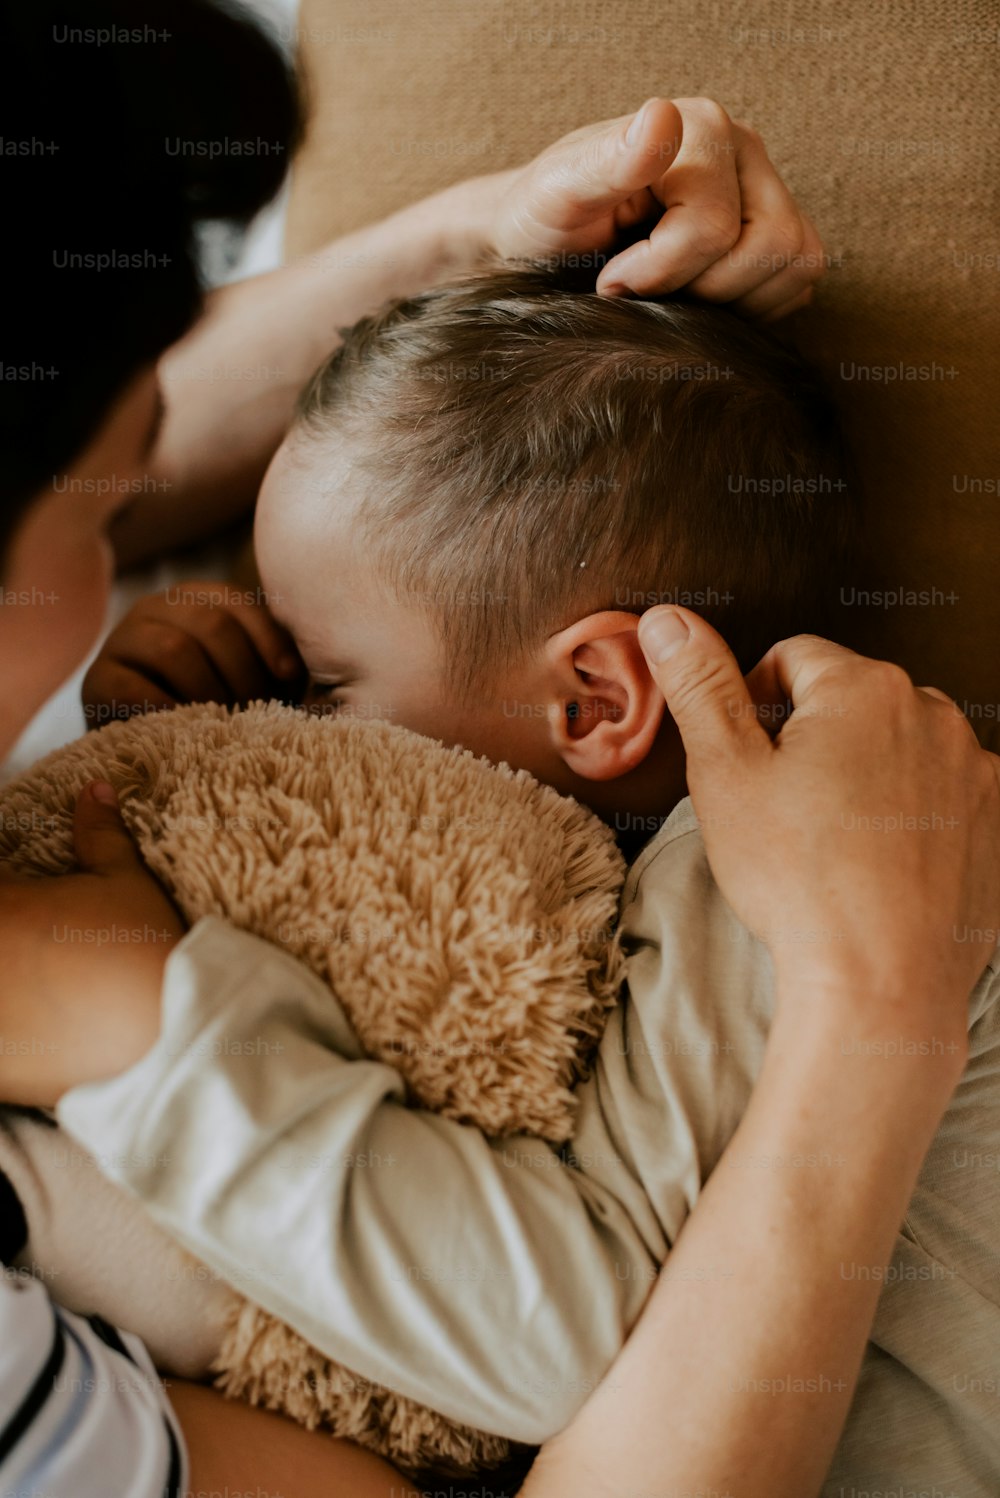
(727, 227)
(781, 819)
(860, 842)
(198, 642)
(83, 960)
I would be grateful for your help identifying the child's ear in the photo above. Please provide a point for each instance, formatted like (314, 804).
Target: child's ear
(608, 710)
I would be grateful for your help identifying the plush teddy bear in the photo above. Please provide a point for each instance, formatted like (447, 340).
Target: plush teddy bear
(462, 914)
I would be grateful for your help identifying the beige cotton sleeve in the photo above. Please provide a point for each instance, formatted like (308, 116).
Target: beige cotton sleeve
(489, 1280)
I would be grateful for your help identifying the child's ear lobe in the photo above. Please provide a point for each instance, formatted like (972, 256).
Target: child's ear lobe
(609, 710)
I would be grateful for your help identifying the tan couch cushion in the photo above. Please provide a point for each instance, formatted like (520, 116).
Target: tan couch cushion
(883, 119)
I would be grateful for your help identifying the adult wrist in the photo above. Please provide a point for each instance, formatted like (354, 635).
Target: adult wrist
(914, 1039)
(465, 216)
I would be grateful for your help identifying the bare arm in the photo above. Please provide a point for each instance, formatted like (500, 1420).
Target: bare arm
(231, 385)
(233, 1448)
(816, 1180)
(686, 1400)
(776, 1344)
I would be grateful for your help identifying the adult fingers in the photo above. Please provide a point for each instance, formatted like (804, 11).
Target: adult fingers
(784, 308)
(811, 673)
(790, 282)
(704, 689)
(617, 158)
(607, 168)
(772, 233)
(702, 219)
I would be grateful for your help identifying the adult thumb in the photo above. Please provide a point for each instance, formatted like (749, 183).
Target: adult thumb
(102, 841)
(704, 688)
(605, 165)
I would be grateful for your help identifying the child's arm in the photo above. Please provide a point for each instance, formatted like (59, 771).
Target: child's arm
(488, 1280)
(493, 1282)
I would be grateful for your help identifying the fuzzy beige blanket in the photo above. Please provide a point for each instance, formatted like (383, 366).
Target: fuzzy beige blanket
(461, 913)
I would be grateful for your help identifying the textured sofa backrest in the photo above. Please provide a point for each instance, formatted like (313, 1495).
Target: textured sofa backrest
(883, 119)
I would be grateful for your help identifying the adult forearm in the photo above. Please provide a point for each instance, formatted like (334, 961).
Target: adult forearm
(231, 384)
(761, 1314)
(235, 1448)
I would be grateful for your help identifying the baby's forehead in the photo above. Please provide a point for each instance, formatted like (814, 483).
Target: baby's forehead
(314, 481)
(310, 451)
(308, 535)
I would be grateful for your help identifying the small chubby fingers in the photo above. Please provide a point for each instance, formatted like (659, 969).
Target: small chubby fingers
(231, 651)
(234, 628)
(171, 658)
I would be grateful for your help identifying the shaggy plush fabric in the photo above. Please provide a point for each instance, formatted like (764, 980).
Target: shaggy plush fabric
(460, 912)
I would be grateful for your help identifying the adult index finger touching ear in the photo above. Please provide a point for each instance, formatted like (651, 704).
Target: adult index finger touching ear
(704, 688)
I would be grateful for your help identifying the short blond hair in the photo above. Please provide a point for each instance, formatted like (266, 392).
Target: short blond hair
(530, 454)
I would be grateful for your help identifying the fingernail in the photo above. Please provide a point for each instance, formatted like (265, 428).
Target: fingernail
(104, 793)
(662, 632)
(632, 133)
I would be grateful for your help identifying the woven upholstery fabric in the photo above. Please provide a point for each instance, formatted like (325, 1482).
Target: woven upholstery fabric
(883, 120)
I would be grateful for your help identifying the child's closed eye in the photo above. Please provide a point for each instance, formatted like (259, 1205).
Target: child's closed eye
(323, 696)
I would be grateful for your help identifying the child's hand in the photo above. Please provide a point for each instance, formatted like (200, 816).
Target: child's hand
(727, 227)
(83, 960)
(198, 642)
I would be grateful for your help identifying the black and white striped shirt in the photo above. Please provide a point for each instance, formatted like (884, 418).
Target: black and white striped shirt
(82, 1413)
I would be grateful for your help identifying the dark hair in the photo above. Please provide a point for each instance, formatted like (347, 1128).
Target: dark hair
(536, 455)
(125, 124)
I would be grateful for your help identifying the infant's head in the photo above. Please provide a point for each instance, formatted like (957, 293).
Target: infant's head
(488, 484)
